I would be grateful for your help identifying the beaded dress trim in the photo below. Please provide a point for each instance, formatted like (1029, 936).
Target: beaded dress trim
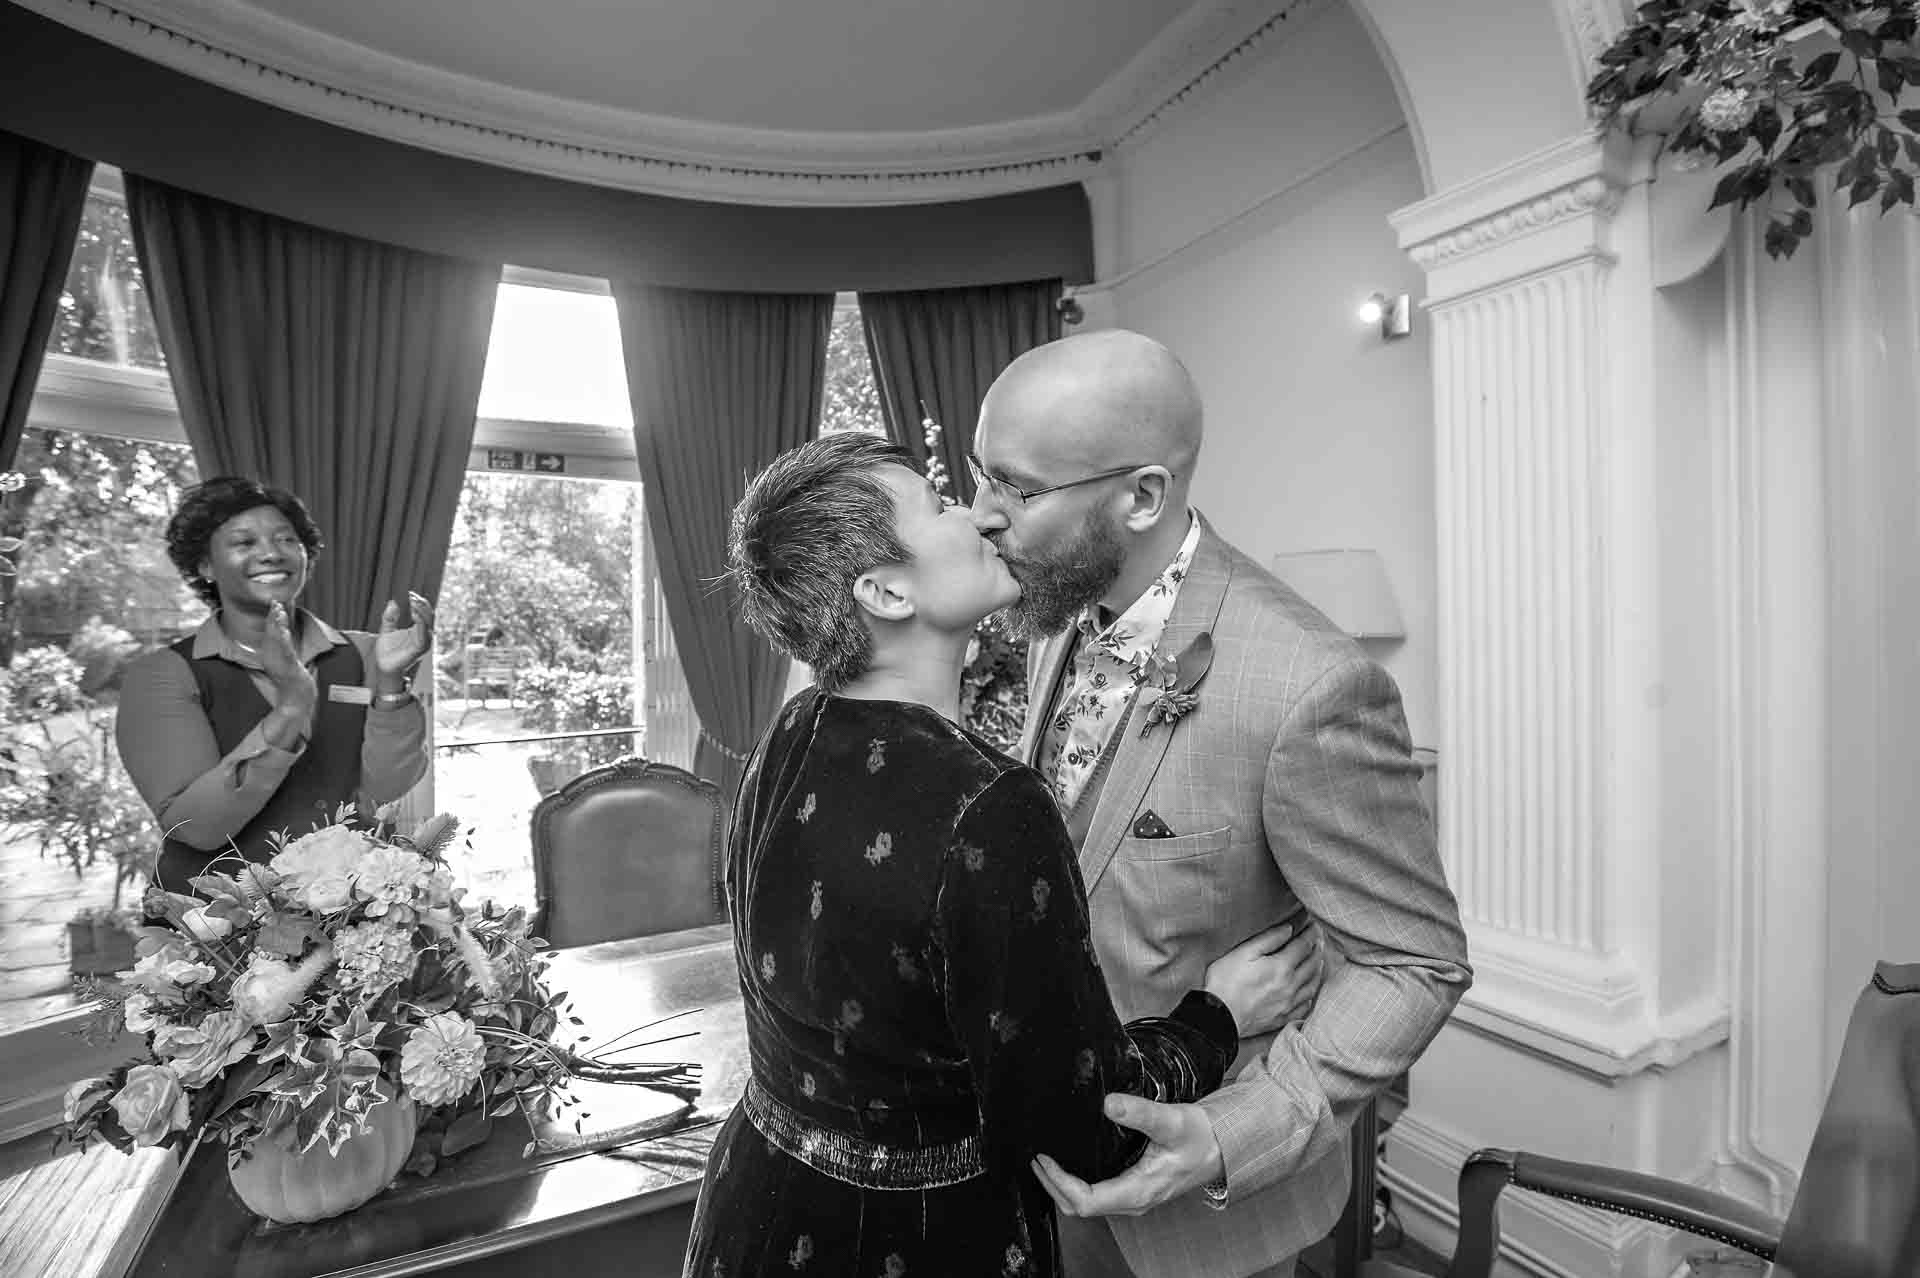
(855, 1160)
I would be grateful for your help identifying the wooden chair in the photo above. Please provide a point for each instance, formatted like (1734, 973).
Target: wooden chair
(629, 849)
(1857, 1213)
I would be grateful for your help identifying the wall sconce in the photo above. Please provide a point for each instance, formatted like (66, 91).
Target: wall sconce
(1350, 586)
(1394, 315)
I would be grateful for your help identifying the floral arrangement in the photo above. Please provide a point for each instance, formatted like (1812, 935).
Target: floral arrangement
(300, 995)
(1750, 100)
(993, 683)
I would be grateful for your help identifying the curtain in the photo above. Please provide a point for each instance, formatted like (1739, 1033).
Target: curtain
(721, 384)
(42, 193)
(343, 370)
(935, 352)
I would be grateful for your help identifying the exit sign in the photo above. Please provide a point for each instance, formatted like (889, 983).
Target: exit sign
(520, 459)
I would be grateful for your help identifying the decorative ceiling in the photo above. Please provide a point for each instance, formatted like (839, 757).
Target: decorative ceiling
(849, 101)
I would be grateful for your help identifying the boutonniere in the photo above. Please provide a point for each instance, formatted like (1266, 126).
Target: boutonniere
(1176, 681)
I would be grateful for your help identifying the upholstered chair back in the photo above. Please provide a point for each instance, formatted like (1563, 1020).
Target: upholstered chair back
(629, 849)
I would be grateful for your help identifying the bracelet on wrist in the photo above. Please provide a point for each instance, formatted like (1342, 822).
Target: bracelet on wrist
(392, 700)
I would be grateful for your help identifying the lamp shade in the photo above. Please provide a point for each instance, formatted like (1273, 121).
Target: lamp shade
(1350, 586)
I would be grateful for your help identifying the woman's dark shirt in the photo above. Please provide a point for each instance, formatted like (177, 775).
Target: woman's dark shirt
(912, 935)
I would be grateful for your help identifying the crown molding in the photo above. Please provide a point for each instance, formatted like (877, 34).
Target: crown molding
(1580, 175)
(264, 56)
(1545, 210)
(1197, 53)
(1577, 199)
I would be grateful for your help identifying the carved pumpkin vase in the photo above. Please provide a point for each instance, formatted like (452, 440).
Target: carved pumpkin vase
(291, 1187)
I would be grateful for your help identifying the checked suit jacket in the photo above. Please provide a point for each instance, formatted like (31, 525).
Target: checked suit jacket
(1292, 779)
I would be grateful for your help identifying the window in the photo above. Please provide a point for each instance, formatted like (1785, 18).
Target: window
(852, 397)
(104, 312)
(104, 463)
(537, 664)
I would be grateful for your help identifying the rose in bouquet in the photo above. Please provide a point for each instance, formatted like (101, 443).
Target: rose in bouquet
(292, 1000)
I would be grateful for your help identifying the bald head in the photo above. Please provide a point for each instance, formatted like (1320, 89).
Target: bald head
(1094, 400)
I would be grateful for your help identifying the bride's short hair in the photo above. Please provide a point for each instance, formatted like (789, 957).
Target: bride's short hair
(809, 525)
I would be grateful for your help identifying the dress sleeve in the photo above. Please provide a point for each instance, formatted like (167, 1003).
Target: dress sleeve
(1026, 1001)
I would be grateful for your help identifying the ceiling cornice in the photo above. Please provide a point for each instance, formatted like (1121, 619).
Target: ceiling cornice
(252, 51)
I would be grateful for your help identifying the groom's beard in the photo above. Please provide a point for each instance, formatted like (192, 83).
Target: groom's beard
(1055, 587)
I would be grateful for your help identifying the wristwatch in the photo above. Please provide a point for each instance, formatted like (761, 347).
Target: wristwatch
(1216, 1193)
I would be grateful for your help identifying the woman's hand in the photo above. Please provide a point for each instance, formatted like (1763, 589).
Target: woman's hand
(293, 684)
(395, 650)
(1271, 979)
(295, 692)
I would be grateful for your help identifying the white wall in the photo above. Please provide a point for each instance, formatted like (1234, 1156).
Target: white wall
(1247, 230)
(1489, 80)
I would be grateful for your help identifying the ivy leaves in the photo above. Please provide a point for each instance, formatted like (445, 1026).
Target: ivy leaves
(1784, 128)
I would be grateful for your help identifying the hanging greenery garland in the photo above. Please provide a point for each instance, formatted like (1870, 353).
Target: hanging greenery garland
(1755, 96)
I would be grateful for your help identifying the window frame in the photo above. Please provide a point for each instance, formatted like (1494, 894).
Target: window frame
(94, 397)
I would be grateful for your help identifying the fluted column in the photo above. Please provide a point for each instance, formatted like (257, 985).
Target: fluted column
(1547, 586)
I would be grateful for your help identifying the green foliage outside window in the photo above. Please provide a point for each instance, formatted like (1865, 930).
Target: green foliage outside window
(104, 311)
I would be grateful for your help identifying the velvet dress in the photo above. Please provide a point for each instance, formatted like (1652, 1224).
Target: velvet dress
(924, 1010)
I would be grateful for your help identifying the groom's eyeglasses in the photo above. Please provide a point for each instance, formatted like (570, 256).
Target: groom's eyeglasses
(1007, 492)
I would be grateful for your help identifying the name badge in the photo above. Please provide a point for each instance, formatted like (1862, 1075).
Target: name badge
(352, 694)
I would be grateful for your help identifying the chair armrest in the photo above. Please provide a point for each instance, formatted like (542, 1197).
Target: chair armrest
(1673, 1203)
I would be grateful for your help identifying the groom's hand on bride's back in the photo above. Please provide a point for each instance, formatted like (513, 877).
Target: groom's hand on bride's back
(1270, 979)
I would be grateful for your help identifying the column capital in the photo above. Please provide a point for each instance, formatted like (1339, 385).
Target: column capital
(1543, 210)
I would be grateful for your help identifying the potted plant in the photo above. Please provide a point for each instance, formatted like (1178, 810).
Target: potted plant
(100, 940)
(319, 1013)
(61, 784)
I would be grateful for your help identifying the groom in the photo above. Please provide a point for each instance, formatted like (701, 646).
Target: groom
(1225, 757)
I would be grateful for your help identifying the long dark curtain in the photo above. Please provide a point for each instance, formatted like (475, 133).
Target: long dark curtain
(42, 193)
(936, 351)
(721, 384)
(344, 370)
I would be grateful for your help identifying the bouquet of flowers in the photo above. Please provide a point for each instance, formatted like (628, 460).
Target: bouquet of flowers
(300, 996)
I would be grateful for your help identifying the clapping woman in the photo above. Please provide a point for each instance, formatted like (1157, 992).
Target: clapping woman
(266, 719)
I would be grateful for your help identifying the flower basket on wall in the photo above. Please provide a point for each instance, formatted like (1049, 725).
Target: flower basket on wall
(1786, 98)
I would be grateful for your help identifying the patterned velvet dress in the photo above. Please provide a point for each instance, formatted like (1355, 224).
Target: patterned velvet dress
(924, 1010)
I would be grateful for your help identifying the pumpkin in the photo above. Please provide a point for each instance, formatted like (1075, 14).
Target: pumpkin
(291, 1187)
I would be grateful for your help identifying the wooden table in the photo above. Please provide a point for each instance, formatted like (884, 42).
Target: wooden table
(492, 1200)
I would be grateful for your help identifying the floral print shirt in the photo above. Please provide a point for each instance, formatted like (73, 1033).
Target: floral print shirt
(1109, 665)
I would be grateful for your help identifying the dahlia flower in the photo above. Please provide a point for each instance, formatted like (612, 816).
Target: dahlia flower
(441, 1059)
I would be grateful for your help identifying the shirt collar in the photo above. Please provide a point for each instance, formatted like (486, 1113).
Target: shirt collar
(1132, 636)
(313, 637)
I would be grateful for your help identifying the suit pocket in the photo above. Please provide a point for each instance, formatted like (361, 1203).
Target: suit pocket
(1180, 847)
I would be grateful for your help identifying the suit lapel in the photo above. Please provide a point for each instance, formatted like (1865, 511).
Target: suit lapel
(1137, 757)
(1043, 682)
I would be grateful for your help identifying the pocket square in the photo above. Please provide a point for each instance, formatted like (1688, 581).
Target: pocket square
(1148, 825)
